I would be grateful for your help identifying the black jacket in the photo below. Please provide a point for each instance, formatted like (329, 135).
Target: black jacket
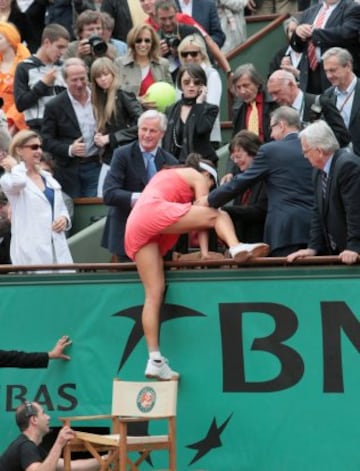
(196, 131)
(16, 359)
(337, 215)
(122, 129)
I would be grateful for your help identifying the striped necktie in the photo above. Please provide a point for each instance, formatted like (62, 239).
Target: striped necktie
(311, 51)
(324, 183)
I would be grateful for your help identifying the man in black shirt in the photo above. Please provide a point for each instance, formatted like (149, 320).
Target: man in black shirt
(25, 452)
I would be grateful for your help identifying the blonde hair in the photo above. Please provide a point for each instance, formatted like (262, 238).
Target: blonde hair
(197, 41)
(104, 102)
(132, 36)
(20, 139)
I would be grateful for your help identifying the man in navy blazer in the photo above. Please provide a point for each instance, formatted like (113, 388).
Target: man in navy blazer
(128, 176)
(287, 175)
(335, 225)
(205, 13)
(341, 28)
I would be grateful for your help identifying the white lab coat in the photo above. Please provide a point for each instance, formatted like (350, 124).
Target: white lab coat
(33, 242)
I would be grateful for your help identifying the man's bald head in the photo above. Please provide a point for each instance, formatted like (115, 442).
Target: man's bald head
(282, 87)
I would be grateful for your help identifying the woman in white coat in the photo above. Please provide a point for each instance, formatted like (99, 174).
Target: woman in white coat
(39, 217)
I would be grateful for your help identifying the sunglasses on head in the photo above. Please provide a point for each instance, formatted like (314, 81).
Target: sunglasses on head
(184, 54)
(33, 146)
(143, 40)
(29, 409)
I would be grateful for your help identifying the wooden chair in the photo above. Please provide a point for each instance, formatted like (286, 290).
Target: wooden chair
(131, 402)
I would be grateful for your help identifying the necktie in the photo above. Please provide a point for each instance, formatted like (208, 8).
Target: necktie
(324, 188)
(151, 167)
(324, 183)
(311, 52)
(253, 124)
(246, 197)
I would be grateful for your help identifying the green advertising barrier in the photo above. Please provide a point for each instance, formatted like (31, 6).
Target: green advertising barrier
(269, 359)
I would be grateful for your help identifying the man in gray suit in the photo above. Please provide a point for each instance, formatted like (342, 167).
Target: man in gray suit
(129, 172)
(287, 174)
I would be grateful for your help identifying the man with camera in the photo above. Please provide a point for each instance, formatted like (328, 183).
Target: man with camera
(38, 78)
(172, 31)
(90, 43)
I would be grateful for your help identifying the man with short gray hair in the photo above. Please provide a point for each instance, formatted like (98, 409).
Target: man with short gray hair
(345, 90)
(335, 226)
(132, 166)
(68, 132)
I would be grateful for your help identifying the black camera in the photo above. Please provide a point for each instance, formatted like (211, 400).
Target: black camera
(98, 46)
(172, 40)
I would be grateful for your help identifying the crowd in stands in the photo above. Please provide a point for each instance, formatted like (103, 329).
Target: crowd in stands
(76, 121)
(74, 94)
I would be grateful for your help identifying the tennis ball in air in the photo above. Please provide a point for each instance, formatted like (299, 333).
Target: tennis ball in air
(162, 93)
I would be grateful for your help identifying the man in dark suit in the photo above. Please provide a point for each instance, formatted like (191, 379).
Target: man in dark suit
(284, 90)
(18, 359)
(205, 13)
(68, 132)
(335, 225)
(129, 173)
(288, 183)
(249, 88)
(322, 26)
(345, 90)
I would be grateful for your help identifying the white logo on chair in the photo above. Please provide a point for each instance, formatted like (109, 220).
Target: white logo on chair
(146, 399)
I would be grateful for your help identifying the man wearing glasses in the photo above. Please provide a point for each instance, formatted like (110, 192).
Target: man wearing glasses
(287, 174)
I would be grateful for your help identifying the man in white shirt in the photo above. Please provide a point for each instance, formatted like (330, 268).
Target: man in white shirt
(345, 90)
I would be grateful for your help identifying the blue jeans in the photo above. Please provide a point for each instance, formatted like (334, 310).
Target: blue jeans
(89, 176)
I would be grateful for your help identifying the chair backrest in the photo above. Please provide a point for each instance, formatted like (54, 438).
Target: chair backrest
(144, 399)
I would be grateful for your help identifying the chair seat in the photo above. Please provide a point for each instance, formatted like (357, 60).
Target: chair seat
(113, 439)
(132, 402)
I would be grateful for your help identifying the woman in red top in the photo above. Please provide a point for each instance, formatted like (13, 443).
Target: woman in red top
(163, 212)
(143, 65)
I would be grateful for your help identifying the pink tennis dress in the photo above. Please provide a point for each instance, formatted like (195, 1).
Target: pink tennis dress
(165, 199)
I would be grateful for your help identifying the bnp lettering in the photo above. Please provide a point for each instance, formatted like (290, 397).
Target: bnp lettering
(338, 324)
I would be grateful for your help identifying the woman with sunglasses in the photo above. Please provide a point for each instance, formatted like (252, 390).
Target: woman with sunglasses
(143, 65)
(39, 217)
(191, 119)
(192, 50)
(116, 112)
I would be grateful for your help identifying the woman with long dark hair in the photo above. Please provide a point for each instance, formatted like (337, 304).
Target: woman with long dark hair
(163, 212)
